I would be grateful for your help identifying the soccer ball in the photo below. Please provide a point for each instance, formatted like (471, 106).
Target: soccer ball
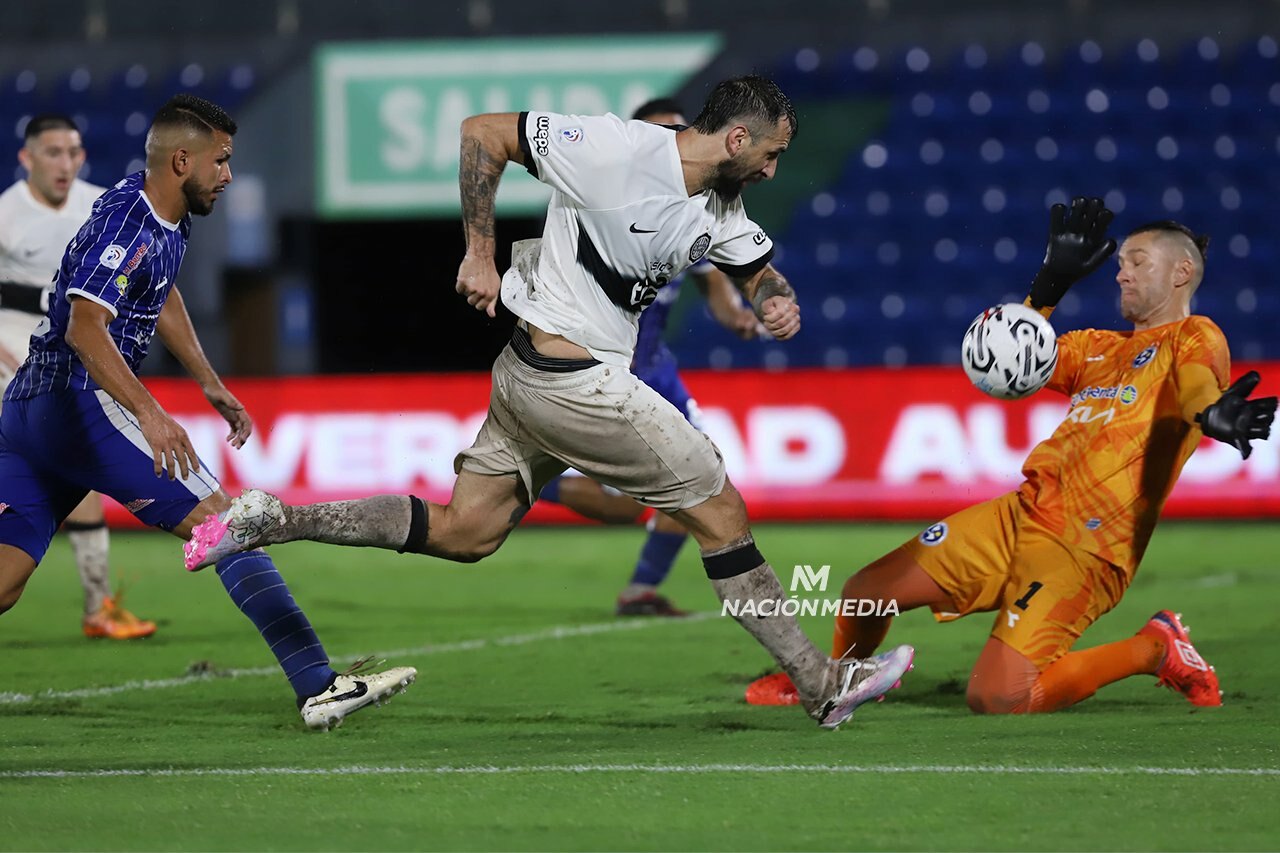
(1009, 351)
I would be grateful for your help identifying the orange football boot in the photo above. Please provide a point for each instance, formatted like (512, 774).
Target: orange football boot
(775, 689)
(1182, 669)
(112, 622)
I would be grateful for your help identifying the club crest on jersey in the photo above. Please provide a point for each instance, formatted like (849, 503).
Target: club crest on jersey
(1145, 356)
(112, 257)
(1128, 394)
(571, 135)
(122, 283)
(699, 248)
(934, 534)
(3, 507)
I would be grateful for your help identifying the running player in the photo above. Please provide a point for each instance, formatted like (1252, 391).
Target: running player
(1057, 553)
(656, 367)
(76, 418)
(38, 217)
(634, 204)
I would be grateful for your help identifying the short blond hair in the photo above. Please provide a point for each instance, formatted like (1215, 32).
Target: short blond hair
(1195, 246)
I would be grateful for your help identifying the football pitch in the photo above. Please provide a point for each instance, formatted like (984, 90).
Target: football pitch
(541, 722)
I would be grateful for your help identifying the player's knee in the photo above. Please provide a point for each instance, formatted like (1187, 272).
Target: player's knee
(995, 698)
(857, 586)
(9, 597)
(717, 521)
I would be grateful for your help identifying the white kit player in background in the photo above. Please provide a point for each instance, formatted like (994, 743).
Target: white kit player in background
(38, 217)
(633, 205)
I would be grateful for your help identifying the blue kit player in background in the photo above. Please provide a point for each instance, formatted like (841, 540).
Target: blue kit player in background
(38, 217)
(77, 419)
(655, 365)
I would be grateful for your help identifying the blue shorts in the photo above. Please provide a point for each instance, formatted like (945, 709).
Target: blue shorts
(57, 447)
(662, 376)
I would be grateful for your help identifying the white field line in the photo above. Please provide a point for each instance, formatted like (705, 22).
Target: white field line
(672, 769)
(560, 632)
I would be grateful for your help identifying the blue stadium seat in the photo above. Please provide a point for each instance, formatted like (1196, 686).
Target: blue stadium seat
(944, 211)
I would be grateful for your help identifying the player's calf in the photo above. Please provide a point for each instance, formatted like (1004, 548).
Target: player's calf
(461, 531)
(16, 567)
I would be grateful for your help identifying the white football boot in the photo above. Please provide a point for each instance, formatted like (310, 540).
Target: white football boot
(352, 691)
(860, 681)
(238, 528)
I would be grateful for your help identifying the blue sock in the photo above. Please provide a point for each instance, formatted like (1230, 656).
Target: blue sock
(261, 594)
(657, 556)
(551, 492)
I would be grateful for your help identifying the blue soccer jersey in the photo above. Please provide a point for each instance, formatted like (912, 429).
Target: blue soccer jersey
(60, 434)
(125, 258)
(653, 362)
(651, 349)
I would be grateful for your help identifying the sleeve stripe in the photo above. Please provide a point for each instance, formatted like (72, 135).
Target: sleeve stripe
(748, 269)
(75, 291)
(522, 133)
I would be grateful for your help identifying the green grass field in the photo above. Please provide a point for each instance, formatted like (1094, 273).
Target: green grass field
(540, 722)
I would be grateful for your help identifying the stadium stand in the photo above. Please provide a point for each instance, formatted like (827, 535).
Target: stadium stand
(939, 212)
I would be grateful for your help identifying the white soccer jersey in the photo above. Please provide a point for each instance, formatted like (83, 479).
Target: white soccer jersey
(34, 236)
(620, 225)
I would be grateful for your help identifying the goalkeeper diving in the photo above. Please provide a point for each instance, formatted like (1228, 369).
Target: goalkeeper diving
(1058, 552)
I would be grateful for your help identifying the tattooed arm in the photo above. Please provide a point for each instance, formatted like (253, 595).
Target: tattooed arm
(774, 301)
(489, 142)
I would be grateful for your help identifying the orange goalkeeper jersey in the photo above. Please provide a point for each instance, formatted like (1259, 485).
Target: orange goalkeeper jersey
(1101, 479)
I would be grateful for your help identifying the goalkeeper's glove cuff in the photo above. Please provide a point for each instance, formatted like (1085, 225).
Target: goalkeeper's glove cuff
(1047, 289)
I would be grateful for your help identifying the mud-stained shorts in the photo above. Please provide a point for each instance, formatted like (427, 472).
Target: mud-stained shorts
(992, 556)
(601, 420)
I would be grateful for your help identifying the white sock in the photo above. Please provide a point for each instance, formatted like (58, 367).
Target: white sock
(90, 547)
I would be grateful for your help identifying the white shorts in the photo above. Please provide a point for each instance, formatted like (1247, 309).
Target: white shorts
(15, 336)
(601, 420)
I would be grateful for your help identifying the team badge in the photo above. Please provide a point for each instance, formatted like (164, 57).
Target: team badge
(699, 248)
(934, 534)
(112, 257)
(571, 134)
(1145, 356)
(1128, 394)
(122, 283)
(3, 507)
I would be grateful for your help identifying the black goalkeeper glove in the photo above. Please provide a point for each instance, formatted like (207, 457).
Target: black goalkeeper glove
(1078, 244)
(1235, 419)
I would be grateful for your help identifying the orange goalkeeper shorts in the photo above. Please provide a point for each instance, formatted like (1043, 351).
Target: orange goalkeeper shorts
(992, 556)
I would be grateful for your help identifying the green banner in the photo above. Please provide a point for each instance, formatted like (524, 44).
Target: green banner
(388, 113)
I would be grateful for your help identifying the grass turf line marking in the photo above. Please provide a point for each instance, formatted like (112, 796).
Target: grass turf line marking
(675, 769)
(559, 632)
